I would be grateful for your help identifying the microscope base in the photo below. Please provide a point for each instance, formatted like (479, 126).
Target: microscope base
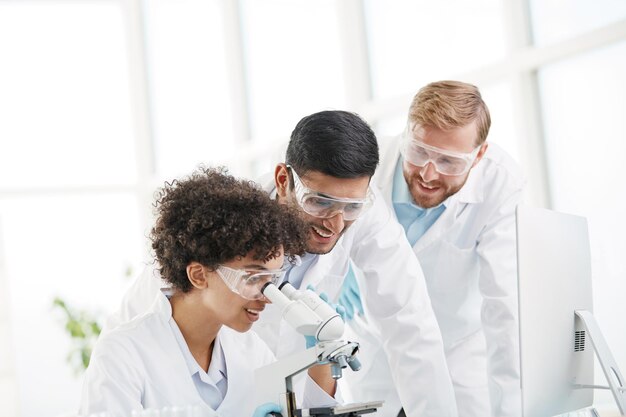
(345, 410)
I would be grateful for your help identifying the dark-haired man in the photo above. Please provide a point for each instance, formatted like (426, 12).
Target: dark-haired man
(330, 160)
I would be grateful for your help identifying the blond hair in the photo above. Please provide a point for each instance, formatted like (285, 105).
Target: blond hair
(450, 104)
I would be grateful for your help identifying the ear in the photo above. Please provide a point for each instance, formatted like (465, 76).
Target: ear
(196, 275)
(281, 179)
(480, 153)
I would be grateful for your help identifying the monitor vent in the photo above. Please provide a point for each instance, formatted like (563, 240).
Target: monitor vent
(579, 341)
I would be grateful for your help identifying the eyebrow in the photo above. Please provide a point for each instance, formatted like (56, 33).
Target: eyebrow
(320, 194)
(323, 194)
(311, 189)
(255, 266)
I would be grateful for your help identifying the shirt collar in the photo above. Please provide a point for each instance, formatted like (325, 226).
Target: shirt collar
(217, 367)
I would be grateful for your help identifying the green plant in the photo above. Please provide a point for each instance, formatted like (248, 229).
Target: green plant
(84, 329)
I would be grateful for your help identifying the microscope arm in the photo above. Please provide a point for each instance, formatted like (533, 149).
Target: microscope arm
(274, 382)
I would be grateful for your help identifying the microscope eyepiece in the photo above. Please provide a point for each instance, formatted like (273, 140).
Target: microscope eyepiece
(265, 286)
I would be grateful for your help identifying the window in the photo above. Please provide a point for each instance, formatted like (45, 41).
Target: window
(413, 43)
(65, 112)
(69, 211)
(189, 85)
(294, 63)
(558, 20)
(585, 131)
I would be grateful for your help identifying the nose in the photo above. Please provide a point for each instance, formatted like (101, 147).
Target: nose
(429, 172)
(335, 223)
(262, 298)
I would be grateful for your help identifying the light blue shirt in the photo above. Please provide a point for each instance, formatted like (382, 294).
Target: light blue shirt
(211, 385)
(295, 274)
(414, 219)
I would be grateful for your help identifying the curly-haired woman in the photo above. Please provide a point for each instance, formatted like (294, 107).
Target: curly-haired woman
(217, 240)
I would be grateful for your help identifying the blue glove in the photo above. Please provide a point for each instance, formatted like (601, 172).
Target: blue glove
(350, 297)
(264, 409)
(311, 340)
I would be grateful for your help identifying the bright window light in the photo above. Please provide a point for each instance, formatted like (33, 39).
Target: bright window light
(294, 63)
(65, 108)
(558, 20)
(413, 42)
(584, 108)
(189, 85)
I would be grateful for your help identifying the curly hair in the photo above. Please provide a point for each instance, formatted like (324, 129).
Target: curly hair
(211, 217)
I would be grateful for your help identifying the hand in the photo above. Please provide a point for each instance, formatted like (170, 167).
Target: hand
(265, 409)
(350, 297)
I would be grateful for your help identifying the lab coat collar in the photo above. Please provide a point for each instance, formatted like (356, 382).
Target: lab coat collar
(472, 192)
(234, 353)
(217, 367)
(319, 274)
(383, 179)
(236, 357)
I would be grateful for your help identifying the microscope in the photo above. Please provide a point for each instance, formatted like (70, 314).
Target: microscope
(311, 316)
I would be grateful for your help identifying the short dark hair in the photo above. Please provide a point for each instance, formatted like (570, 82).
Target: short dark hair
(336, 143)
(211, 217)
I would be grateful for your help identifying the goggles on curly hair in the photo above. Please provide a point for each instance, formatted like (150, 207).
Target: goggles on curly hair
(325, 206)
(248, 283)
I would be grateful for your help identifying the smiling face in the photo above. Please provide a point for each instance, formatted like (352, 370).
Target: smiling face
(323, 232)
(428, 187)
(227, 307)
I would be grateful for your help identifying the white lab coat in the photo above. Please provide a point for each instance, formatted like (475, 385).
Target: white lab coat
(139, 365)
(394, 290)
(469, 261)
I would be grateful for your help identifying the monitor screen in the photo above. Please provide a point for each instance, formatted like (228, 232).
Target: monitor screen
(554, 280)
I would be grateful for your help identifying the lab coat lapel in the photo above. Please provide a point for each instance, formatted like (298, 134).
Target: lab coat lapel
(441, 226)
(323, 274)
(184, 386)
(236, 368)
(383, 179)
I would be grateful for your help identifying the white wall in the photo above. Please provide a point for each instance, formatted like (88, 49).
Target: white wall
(8, 381)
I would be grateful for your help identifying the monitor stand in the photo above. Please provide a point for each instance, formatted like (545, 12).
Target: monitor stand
(607, 361)
(583, 412)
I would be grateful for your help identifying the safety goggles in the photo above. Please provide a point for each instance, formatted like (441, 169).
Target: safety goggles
(325, 206)
(445, 162)
(248, 284)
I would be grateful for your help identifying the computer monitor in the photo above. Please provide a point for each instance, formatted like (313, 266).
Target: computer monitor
(554, 280)
(558, 332)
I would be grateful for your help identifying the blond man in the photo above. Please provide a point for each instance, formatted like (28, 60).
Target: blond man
(455, 196)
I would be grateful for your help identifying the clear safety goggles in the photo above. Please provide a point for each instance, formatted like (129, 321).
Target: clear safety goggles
(445, 162)
(248, 284)
(325, 206)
